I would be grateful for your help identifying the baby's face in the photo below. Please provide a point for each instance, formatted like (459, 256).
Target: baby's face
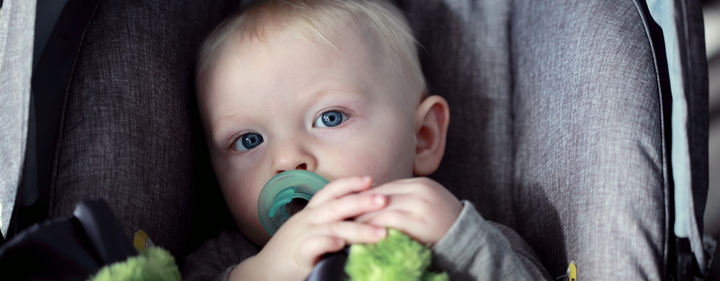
(288, 103)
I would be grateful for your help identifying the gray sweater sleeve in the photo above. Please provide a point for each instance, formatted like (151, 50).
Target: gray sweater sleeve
(217, 256)
(476, 249)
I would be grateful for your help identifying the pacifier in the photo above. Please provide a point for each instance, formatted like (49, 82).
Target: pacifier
(286, 194)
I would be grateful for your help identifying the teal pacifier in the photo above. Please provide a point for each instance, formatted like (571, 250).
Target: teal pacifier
(286, 194)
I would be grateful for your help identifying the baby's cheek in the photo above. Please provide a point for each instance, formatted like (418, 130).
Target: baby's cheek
(396, 159)
(234, 202)
(246, 218)
(239, 200)
(379, 163)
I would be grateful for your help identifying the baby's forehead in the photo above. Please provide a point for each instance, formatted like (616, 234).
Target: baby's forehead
(348, 45)
(341, 26)
(349, 48)
(345, 38)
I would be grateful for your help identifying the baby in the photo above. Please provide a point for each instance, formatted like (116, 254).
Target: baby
(334, 87)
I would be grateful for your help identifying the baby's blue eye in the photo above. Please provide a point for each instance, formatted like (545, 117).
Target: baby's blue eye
(330, 119)
(248, 141)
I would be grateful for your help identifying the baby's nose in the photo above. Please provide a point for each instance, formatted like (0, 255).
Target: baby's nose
(302, 166)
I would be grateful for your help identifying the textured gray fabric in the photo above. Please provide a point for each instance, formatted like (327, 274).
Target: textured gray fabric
(17, 29)
(472, 249)
(589, 166)
(125, 134)
(215, 256)
(225, 274)
(582, 121)
(518, 245)
(465, 58)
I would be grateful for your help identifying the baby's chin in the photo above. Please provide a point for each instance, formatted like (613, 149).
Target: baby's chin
(259, 237)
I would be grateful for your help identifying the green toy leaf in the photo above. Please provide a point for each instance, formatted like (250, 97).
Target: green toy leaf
(396, 257)
(153, 263)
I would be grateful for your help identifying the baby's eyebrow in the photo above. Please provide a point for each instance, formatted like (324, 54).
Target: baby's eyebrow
(332, 91)
(221, 123)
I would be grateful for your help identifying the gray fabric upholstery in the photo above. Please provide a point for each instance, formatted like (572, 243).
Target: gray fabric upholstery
(590, 175)
(555, 128)
(17, 22)
(126, 133)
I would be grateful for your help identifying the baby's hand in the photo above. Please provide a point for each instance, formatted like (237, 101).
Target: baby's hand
(420, 207)
(321, 227)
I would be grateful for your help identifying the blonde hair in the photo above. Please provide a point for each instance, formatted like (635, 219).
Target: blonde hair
(318, 20)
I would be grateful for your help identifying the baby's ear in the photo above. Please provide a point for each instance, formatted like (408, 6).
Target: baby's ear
(431, 123)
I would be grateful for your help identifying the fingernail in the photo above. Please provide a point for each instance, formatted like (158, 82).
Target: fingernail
(381, 232)
(366, 178)
(379, 199)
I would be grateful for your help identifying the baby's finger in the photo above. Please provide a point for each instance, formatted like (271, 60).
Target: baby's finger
(400, 202)
(312, 249)
(352, 232)
(333, 237)
(412, 226)
(339, 188)
(344, 208)
(395, 187)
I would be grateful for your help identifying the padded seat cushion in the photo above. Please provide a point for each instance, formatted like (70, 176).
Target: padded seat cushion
(556, 126)
(590, 174)
(129, 132)
(555, 129)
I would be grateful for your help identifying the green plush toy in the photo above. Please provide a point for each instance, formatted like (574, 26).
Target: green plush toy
(397, 257)
(153, 263)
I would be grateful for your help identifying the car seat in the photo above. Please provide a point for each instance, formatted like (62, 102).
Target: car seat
(561, 124)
